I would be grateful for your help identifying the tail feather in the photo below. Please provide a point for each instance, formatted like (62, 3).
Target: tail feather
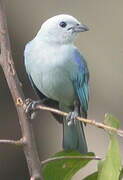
(74, 137)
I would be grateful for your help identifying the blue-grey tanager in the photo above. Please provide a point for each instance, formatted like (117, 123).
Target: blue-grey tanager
(59, 74)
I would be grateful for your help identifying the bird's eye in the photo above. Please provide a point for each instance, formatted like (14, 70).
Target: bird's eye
(63, 24)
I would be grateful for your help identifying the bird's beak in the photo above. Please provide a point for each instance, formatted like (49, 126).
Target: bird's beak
(80, 28)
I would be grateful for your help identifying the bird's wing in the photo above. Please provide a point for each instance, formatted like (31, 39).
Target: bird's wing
(80, 81)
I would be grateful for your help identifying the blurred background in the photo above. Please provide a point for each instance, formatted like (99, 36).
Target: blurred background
(102, 47)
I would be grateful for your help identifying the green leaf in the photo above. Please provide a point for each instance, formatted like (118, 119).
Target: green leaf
(112, 121)
(110, 168)
(64, 169)
(92, 176)
(121, 174)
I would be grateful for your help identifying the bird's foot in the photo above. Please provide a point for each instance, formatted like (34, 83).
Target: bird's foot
(31, 107)
(71, 118)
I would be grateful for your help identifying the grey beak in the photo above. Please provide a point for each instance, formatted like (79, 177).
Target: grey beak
(80, 28)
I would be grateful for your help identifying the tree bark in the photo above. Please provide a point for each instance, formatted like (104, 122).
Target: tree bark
(14, 85)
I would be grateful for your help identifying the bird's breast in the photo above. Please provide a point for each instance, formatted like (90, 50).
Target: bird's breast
(50, 69)
(54, 82)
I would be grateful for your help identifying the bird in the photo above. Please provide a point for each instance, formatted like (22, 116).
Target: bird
(59, 74)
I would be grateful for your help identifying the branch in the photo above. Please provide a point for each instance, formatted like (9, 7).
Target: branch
(88, 121)
(12, 142)
(7, 64)
(69, 157)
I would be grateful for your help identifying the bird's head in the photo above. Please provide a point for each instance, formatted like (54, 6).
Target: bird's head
(61, 29)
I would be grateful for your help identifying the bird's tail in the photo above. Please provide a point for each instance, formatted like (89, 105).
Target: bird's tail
(74, 137)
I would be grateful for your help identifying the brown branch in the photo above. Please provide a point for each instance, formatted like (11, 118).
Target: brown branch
(7, 64)
(88, 121)
(12, 142)
(69, 157)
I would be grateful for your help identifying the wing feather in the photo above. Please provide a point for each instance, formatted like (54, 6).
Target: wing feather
(80, 81)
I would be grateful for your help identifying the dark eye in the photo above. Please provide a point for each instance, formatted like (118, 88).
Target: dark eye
(63, 24)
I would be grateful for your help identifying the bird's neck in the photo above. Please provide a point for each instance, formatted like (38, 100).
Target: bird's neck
(51, 40)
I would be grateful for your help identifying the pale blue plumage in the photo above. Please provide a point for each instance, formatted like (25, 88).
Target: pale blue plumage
(59, 73)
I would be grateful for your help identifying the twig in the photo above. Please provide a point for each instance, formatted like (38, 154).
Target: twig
(7, 64)
(88, 121)
(69, 157)
(12, 142)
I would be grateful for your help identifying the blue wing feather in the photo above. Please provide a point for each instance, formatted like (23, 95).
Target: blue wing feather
(80, 80)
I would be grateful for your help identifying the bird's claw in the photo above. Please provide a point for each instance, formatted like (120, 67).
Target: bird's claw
(31, 107)
(71, 118)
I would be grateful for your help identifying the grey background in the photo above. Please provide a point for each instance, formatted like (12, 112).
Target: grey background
(103, 48)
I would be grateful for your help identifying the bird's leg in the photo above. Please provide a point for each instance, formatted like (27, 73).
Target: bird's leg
(31, 107)
(71, 118)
